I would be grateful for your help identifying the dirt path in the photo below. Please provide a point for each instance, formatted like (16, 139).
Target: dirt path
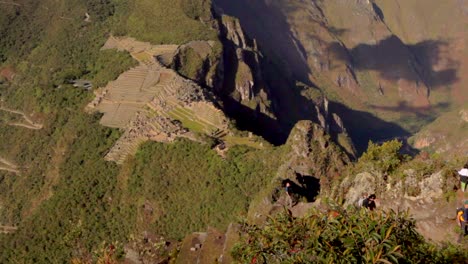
(7, 229)
(30, 124)
(9, 169)
(8, 166)
(35, 127)
(9, 3)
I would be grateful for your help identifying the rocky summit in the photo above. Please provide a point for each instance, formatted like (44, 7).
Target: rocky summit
(217, 131)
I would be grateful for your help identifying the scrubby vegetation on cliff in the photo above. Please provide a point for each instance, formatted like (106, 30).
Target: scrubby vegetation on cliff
(341, 236)
(66, 201)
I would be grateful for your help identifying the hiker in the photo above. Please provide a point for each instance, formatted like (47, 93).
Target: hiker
(360, 202)
(288, 189)
(369, 202)
(462, 218)
(463, 176)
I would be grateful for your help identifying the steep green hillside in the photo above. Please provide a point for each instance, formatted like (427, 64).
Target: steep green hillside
(189, 187)
(66, 199)
(149, 20)
(61, 200)
(447, 134)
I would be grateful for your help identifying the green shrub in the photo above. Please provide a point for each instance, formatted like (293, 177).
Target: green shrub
(341, 237)
(196, 9)
(384, 158)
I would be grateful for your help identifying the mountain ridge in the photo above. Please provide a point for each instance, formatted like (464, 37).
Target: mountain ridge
(68, 203)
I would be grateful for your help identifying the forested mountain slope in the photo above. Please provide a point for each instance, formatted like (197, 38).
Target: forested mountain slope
(242, 120)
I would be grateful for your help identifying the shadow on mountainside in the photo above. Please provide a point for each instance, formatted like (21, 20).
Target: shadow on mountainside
(267, 21)
(270, 26)
(309, 186)
(280, 68)
(291, 106)
(255, 121)
(395, 60)
(426, 113)
(363, 127)
(304, 186)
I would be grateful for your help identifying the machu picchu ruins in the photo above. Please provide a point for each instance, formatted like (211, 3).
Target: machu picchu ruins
(153, 102)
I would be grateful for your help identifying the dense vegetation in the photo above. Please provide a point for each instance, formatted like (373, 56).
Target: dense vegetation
(81, 206)
(66, 200)
(189, 186)
(149, 20)
(341, 236)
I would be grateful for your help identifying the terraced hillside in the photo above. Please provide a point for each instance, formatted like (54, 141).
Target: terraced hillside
(153, 102)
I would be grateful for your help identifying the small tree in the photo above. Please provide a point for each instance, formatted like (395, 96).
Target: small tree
(383, 158)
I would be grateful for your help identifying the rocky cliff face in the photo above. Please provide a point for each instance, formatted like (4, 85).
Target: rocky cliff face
(312, 163)
(388, 59)
(424, 198)
(242, 75)
(254, 90)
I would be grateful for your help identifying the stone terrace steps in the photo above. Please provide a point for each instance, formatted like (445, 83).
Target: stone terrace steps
(151, 80)
(219, 133)
(132, 149)
(170, 88)
(182, 114)
(124, 147)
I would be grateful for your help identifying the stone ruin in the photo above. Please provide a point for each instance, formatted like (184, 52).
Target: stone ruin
(153, 102)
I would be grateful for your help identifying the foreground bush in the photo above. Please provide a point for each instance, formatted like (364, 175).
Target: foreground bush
(341, 237)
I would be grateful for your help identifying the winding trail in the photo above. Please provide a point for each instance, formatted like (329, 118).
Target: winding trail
(30, 124)
(8, 166)
(7, 229)
(9, 3)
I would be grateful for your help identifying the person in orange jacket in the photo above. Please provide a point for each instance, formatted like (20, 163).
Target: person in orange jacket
(462, 220)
